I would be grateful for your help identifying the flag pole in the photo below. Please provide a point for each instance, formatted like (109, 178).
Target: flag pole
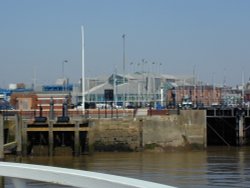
(83, 75)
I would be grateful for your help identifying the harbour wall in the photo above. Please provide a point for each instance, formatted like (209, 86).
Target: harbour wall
(186, 130)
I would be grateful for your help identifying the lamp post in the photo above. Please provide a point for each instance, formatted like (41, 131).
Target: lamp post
(153, 66)
(63, 77)
(65, 61)
(159, 68)
(132, 67)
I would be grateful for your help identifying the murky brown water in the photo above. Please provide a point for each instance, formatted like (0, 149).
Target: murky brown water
(215, 167)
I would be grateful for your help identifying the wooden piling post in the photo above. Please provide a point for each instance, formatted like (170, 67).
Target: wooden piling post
(1, 138)
(24, 137)
(18, 136)
(51, 138)
(77, 139)
(141, 145)
(1, 181)
(239, 127)
(241, 130)
(1, 145)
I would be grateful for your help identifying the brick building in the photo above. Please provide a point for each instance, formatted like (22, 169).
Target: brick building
(32, 100)
(202, 95)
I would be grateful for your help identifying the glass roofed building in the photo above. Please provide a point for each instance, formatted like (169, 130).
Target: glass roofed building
(132, 90)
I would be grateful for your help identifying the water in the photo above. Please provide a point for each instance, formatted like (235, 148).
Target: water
(215, 167)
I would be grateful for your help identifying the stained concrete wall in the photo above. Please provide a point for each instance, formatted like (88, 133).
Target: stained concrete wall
(185, 130)
(170, 131)
(109, 133)
(188, 129)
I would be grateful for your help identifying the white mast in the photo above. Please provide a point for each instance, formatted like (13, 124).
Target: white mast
(243, 89)
(83, 75)
(115, 88)
(124, 94)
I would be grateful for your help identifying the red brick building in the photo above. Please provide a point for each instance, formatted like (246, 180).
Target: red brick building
(32, 100)
(24, 100)
(206, 95)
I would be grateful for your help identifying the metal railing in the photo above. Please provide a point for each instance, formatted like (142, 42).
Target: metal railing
(19, 173)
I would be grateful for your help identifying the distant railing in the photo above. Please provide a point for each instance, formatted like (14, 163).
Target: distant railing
(19, 173)
(228, 112)
(89, 113)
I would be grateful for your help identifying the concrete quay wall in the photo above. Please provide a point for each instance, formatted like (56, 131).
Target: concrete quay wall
(154, 133)
(186, 130)
(114, 134)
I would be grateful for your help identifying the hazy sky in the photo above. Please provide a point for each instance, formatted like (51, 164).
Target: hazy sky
(210, 38)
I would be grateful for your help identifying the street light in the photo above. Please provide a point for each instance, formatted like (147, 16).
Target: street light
(159, 68)
(133, 67)
(65, 61)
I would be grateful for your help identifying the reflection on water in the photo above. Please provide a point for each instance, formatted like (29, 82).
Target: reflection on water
(215, 167)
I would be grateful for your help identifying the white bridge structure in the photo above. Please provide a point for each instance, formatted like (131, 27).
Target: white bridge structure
(19, 173)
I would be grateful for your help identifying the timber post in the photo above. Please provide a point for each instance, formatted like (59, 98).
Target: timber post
(1, 145)
(1, 138)
(51, 138)
(77, 139)
(240, 127)
(18, 136)
(25, 138)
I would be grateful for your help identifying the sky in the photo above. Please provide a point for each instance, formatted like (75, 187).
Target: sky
(206, 38)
